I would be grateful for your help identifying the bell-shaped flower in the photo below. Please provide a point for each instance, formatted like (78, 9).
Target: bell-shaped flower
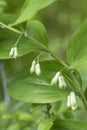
(73, 101)
(74, 107)
(13, 52)
(55, 78)
(32, 69)
(37, 69)
(62, 84)
(69, 101)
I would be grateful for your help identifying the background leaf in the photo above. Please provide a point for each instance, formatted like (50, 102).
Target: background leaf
(30, 8)
(77, 48)
(70, 125)
(45, 124)
(7, 18)
(34, 89)
(36, 33)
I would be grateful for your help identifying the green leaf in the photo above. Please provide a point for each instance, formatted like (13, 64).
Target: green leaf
(45, 124)
(7, 18)
(14, 126)
(37, 31)
(77, 48)
(30, 92)
(30, 8)
(24, 116)
(35, 41)
(34, 89)
(70, 125)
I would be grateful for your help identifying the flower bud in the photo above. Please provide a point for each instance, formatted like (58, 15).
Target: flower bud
(73, 99)
(69, 101)
(11, 53)
(37, 69)
(55, 78)
(32, 69)
(25, 34)
(15, 53)
(74, 107)
(62, 84)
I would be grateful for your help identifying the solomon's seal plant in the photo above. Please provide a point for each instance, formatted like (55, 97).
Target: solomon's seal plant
(44, 83)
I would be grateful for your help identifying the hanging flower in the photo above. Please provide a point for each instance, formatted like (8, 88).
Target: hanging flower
(62, 84)
(37, 69)
(71, 101)
(32, 69)
(13, 52)
(55, 78)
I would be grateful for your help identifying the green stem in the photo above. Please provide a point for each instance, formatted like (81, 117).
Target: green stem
(83, 97)
(58, 59)
(48, 51)
(81, 92)
(10, 28)
(18, 40)
(41, 45)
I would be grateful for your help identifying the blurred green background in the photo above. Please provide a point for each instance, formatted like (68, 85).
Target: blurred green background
(61, 19)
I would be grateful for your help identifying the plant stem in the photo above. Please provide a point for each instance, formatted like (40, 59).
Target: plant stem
(58, 59)
(83, 97)
(36, 42)
(10, 28)
(80, 91)
(18, 40)
(48, 51)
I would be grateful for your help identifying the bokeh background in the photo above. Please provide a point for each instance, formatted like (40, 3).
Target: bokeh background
(61, 19)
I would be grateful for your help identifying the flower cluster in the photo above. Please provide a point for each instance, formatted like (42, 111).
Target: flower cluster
(13, 52)
(71, 101)
(35, 67)
(59, 78)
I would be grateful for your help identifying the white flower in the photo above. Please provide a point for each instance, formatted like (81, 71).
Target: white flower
(73, 98)
(73, 101)
(62, 84)
(74, 107)
(55, 78)
(25, 34)
(13, 52)
(37, 69)
(32, 69)
(69, 101)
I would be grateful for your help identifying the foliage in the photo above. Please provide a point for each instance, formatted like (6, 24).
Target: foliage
(47, 92)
